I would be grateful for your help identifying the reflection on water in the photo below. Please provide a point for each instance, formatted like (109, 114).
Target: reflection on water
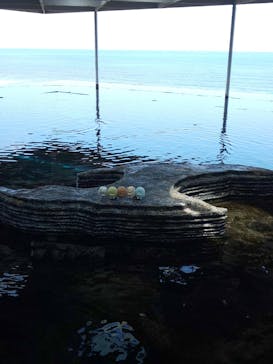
(12, 283)
(225, 148)
(110, 342)
(15, 269)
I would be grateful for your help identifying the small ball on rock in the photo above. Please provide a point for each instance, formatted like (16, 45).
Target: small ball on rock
(131, 191)
(122, 191)
(102, 191)
(140, 193)
(112, 192)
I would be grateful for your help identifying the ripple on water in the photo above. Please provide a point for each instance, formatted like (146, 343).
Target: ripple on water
(56, 164)
(14, 281)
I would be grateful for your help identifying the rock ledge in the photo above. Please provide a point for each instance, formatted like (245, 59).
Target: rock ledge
(173, 210)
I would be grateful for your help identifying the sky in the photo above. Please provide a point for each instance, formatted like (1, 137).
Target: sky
(190, 29)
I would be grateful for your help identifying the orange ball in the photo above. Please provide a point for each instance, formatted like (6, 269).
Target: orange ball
(122, 191)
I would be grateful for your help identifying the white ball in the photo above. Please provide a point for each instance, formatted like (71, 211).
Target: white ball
(102, 191)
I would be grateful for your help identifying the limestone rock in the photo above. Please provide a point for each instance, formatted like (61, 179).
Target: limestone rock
(173, 210)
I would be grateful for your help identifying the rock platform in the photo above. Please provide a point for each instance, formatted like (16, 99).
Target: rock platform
(174, 209)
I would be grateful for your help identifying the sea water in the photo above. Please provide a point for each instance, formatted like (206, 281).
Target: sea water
(154, 106)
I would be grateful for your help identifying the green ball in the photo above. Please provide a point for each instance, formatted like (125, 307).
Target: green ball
(112, 192)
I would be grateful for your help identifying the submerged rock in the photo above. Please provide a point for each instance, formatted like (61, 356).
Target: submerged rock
(66, 251)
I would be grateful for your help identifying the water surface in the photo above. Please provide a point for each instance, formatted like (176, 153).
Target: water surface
(154, 106)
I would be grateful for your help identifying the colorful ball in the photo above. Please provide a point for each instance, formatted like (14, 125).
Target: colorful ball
(140, 193)
(112, 192)
(102, 191)
(122, 191)
(131, 191)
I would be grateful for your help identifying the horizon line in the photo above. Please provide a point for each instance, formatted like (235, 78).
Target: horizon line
(134, 50)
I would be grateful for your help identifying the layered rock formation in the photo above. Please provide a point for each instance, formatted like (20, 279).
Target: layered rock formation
(173, 210)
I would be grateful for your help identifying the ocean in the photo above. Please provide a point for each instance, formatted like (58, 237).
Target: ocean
(154, 106)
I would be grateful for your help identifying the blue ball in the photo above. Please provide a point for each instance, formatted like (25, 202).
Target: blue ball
(140, 193)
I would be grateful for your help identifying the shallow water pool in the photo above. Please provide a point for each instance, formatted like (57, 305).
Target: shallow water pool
(49, 133)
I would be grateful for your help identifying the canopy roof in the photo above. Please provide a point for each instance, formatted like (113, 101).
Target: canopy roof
(63, 6)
